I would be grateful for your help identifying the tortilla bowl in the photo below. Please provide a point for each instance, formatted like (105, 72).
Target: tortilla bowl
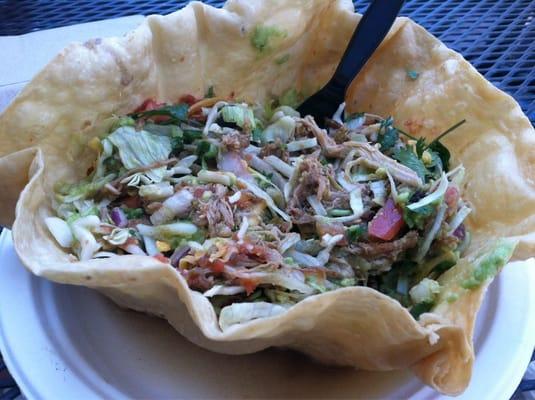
(44, 131)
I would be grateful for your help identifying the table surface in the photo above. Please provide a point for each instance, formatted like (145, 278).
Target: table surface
(496, 36)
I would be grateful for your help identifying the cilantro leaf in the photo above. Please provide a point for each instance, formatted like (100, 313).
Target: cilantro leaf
(177, 139)
(418, 217)
(388, 135)
(420, 308)
(191, 135)
(206, 150)
(210, 92)
(133, 213)
(355, 232)
(420, 147)
(442, 152)
(407, 157)
(177, 113)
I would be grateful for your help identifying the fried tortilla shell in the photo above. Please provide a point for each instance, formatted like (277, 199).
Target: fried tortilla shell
(44, 131)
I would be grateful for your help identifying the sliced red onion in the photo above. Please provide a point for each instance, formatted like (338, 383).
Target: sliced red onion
(119, 217)
(460, 232)
(178, 254)
(232, 161)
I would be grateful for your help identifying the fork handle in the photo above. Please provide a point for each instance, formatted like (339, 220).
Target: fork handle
(369, 33)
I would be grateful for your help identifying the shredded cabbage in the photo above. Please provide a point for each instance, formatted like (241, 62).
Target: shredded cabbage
(337, 116)
(156, 191)
(282, 129)
(299, 145)
(150, 245)
(81, 229)
(224, 178)
(280, 165)
(432, 197)
(239, 313)
(316, 205)
(212, 116)
(177, 204)
(378, 189)
(459, 218)
(264, 196)
(165, 231)
(243, 229)
(60, 230)
(221, 290)
(355, 200)
(431, 233)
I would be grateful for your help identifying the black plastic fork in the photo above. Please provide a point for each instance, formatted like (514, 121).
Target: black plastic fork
(369, 33)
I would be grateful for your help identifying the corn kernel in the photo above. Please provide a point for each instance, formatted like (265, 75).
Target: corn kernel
(95, 144)
(162, 246)
(381, 172)
(426, 158)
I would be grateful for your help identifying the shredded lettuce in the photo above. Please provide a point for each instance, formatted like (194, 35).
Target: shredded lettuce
(239, 114)
(141, 149)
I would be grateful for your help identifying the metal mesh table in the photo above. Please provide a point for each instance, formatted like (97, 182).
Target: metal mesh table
(496, 36)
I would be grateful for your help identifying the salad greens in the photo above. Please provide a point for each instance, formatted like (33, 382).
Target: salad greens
(259, 208)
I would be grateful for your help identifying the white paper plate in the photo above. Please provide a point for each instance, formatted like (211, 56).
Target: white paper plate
(66, 342)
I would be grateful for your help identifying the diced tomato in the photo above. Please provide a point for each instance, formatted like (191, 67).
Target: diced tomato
(160, 257)
(198, 192)
(217, 266)
(248, 284)
(452, 197)
(188, 99)
(387, 222)
(148, 105)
